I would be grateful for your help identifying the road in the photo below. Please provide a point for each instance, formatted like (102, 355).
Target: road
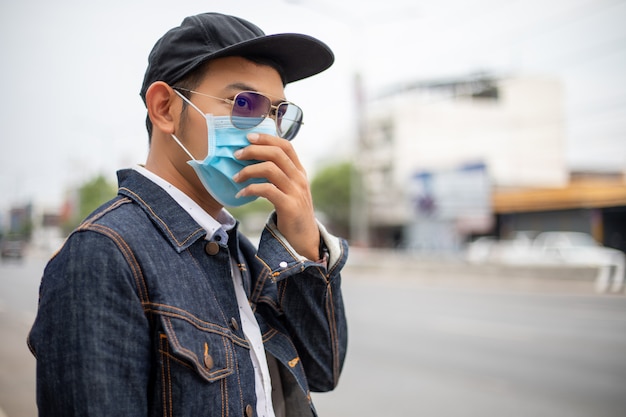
(418, 348)
(19, 283)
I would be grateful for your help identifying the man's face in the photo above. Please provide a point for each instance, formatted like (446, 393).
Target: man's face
(225, 77)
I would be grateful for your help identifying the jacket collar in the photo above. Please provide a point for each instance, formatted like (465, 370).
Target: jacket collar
(174, 222)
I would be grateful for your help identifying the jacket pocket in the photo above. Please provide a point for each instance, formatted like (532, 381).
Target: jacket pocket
(208, 350)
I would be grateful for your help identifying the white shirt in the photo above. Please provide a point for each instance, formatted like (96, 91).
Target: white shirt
(249, 324)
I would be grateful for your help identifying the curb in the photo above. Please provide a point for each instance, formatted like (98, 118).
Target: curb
(453, 271)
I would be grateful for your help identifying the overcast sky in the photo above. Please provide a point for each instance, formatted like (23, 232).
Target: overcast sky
(71, 73)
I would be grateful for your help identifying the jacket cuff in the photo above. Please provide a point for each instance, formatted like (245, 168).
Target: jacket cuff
(274, 246)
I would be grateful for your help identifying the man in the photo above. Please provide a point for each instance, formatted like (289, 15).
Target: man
(156, 305)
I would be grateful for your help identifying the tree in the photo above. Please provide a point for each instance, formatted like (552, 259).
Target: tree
(252, 216)
(331, 189)
(90, 196)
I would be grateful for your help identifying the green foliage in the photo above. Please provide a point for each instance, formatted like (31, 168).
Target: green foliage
(331, 189)
(252, 216)
(26, 229)
(258, 206)
(91, 195)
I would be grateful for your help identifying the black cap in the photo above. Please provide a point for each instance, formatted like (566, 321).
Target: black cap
(212, 35)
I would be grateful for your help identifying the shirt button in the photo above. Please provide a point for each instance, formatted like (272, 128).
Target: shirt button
(249, 411)
(211, 248)
(234, 324)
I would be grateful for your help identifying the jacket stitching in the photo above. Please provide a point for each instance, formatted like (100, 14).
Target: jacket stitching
(224, 398)
(211, 376)
(114, 204)
(332, 326)
(178, 361)
(238, 384)
(270, 301)
(203, 272)
(166, 377)
(120, 243)
(128, 255)
(260, 283)
(330, 311)
(161, 220)
(224, 385)
(197, 323)
(270, 334)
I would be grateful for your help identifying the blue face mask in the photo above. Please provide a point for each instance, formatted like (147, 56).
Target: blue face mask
(217, 169)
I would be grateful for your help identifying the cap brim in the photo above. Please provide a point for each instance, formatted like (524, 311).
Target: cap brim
(299, 56)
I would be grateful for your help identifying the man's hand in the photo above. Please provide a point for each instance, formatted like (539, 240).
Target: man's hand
(288, 190)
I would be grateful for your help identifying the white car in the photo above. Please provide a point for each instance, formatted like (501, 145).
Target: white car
(574, 248)
(555, 248)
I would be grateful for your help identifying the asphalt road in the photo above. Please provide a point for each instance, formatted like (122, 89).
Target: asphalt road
(19, 283)
(419, 348)
(422, 349)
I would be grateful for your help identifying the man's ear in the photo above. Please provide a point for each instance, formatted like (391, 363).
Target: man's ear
(160, 104)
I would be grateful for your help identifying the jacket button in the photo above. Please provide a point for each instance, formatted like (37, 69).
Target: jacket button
(211, 248)
(234, 324)
(249, 411)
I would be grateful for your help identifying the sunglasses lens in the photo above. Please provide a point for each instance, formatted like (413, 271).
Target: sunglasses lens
(249, 109)
(288, 120)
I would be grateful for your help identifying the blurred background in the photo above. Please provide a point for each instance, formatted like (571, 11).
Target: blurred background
(473, 153)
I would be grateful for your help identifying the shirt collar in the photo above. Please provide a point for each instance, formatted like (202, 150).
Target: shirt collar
(220, 226)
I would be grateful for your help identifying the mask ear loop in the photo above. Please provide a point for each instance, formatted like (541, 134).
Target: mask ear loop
(183, 147)
(188, 102)
(174, 136)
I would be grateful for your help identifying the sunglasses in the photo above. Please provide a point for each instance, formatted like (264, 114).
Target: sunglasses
(250, 108)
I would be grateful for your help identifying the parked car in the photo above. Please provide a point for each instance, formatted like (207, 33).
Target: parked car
(514, 250)
(573, 248)
(556, 248)
(12, 248)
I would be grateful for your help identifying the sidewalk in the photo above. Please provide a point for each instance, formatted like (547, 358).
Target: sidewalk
(454, 272)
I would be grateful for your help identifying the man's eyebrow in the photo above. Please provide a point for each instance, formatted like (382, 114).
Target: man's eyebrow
(241, 86)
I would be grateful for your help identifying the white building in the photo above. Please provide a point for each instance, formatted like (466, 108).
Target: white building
(429, 131)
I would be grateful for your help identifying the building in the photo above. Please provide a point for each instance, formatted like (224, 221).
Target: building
(593, 203)
(446, 160)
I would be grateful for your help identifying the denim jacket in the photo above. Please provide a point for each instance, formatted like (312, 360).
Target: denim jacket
(138, 316)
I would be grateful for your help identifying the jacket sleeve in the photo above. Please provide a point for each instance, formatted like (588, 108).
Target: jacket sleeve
(309, 294)
(91, 336)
